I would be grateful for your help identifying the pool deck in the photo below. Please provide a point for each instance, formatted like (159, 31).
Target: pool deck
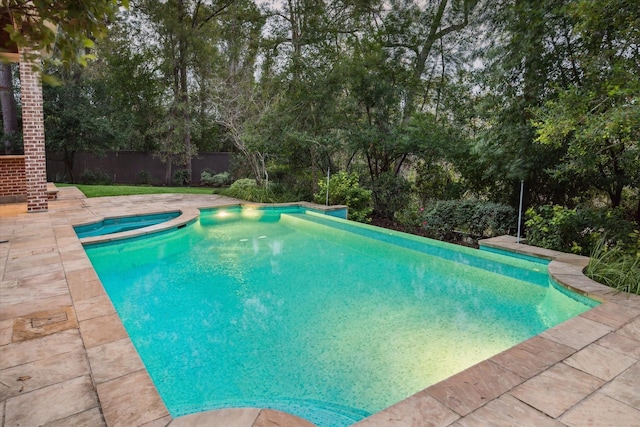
(66, 360)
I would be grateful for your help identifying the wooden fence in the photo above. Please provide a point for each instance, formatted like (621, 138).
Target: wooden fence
(130, 167)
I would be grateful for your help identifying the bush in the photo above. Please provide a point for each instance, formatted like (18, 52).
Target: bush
(577, 230)
(344, 189)
(212, 179)
(247, 189)
(451, 219)
(391, 194)
(95, 177)
(182, 177)
(615, 267)
(144, 177)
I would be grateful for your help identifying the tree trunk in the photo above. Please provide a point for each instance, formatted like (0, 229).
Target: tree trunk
(9, 110)
(167, 172)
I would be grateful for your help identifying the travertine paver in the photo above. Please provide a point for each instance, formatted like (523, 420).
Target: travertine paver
(270, 418)
(557, 389)
(533, 356)
(131, 400)
(40, 348)
(101, 330)
(420, 409)
(44, 267)
(626, 387)
(599, 410)
(621, 344)
(577, 332)
(472, 388)
(40, 373)
(236, 417)
(94, 307)
(614, 315)
(631, 330)
(590, 360)
(113, 360)
(507, 411)
(51, 403)
(89, 418)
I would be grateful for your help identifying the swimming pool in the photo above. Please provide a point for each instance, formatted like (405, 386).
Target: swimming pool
(320, 317)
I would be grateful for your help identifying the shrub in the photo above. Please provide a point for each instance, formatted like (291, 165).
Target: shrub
(615, 267)
(144, 177)
(344, 189)
(212, 179)
(391, 194)
(95, 177)
(247, 189)
(576, 230)
(451, 219)
(182, 177)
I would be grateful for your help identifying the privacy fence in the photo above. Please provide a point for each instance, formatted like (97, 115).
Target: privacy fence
(129, 167)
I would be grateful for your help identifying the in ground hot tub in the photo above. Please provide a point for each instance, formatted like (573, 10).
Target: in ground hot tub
(121, 224)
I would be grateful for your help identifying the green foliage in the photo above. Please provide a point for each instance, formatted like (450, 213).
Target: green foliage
(64, 28)
(344, 189)
(390, 194)
(212, 179)
(144, 177)
(130, 190)
(247, 189)
(576, 230)
(616, 267)
(182, 177)
(95, 177)
(448, 219)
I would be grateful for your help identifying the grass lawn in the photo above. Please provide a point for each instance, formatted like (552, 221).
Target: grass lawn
(128, 190)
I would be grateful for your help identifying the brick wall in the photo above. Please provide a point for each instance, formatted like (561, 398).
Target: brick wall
(33, 137)
(13, 181)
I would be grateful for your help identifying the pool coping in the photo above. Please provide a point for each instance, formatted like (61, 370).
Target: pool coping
(126, 396)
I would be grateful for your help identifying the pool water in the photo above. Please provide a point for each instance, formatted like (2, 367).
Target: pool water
(320, 317)
(119, 225)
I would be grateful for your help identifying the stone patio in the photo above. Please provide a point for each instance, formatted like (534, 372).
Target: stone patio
(66, 360)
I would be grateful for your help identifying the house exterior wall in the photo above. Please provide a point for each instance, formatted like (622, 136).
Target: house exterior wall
(13, 180)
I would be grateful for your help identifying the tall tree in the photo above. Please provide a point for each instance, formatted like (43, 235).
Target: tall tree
(182, 31)
(596, 117)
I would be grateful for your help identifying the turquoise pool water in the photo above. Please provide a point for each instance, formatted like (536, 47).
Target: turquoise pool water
(118, 225)
(320, 317)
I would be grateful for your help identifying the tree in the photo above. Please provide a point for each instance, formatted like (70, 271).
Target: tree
(64, 28)
(525, 52)
(9, 108)
(596, 117)
(77, 116)
(183, 34)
